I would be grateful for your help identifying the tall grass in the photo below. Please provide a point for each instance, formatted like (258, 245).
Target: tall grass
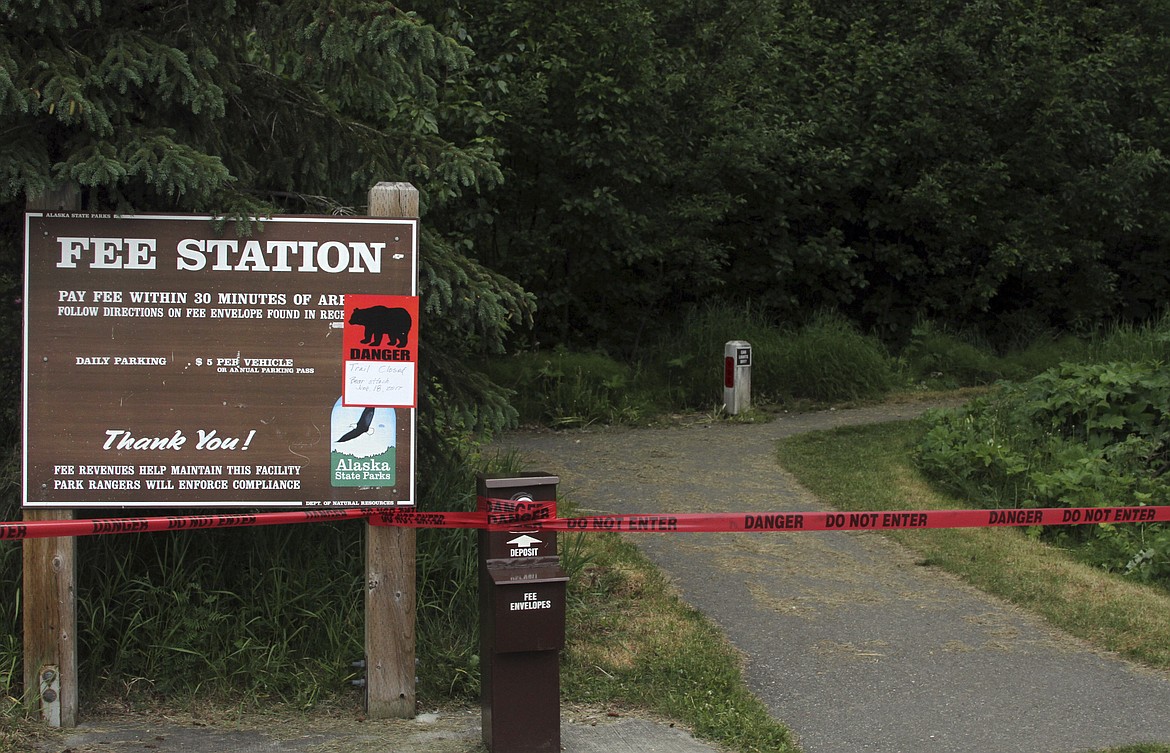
(11, 652)
(1149, 341)
(827, 360)
(566, 389)
(447, 590)
(689, 357)
(944, 358)
(270, 614)
(830, 361)
(10, 646)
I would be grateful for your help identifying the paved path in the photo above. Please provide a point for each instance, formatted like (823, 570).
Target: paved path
(847, 640)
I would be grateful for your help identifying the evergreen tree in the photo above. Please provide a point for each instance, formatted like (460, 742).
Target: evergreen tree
(252, 106)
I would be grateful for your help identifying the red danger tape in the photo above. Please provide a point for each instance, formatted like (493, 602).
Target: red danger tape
(507, 514)
(504, 513)
(857, 521)
(39, 529)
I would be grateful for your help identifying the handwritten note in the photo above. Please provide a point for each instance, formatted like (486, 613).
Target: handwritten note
(381, 385)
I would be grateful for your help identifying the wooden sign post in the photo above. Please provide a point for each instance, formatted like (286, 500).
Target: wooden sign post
(390, 561)
(49, 569)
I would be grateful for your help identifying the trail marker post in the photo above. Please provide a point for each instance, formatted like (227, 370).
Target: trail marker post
(737, 376)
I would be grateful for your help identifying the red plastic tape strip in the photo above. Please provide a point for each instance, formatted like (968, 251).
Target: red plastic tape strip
(859, 521)
(36, 529)
(505, 514)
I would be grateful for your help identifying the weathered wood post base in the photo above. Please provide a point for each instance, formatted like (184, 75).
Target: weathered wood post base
(50, 623)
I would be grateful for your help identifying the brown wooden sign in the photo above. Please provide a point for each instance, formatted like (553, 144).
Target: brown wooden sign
(171, 362)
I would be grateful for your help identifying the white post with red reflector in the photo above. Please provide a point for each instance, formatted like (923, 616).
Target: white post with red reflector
(737, 376)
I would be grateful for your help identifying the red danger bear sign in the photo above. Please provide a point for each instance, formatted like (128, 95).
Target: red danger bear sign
(170, 361)
(381, 348)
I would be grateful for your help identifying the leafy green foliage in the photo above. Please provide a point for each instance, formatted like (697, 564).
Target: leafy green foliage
(599, 206)
(1077, 435)
(994, 166)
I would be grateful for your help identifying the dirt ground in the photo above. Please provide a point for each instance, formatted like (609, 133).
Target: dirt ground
(453, 730)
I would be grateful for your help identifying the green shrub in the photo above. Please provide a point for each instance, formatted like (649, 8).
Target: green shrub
(1044, 353)
(1077, 435)
(939, 358)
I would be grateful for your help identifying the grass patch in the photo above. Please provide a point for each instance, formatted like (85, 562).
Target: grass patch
(870, 468)
(565, 389)
(633, 644)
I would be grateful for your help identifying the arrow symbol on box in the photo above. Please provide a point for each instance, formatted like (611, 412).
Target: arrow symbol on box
(524, 542)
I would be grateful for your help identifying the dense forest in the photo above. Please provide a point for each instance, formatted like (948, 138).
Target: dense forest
(998, 165)
(589, 171)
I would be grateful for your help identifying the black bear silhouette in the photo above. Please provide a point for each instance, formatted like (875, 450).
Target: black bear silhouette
(394, 323)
